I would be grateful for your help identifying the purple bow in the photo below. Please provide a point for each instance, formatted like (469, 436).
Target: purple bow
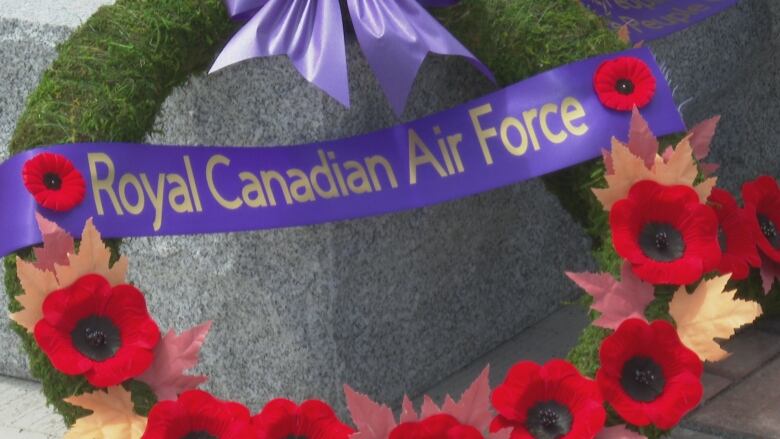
(395, 35)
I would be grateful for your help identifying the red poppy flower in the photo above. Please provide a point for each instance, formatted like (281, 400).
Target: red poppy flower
(102, 332)
(198, 415)
(735, 235)
(282, 419)
(666, 233)
(441, 426)
(53, 181)
(648, 375)
(762, 202)
(550, 401)
(623, 83)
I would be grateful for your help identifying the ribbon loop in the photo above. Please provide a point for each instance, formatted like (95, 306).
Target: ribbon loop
(395, 36)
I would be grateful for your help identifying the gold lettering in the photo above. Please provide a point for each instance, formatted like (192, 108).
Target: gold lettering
(483, 134)
(571, 110)
(254, 187)
(337, 171)
(214, 161)
(559, 137)
(156, 198)
(322, 169)
(511, 122)
(105, 184)
(371, 164)
(415, 143)
(193, 185)
(270, 176)
(359, 174)
(180, 191)
(302, 182)
(130, 179)
(453, 141)
(529, 117)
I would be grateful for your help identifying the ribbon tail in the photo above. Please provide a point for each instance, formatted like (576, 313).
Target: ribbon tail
(238, 9)
(309, 32)
(396, 37)
(432, 3)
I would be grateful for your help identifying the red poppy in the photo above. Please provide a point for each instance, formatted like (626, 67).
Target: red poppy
(282, 419)
(53, 181)
(102, 332)
(441, 426)
(550, 401)
(198, 415)
(666, 233)
(648, 375)
(735, 235)
(623, 83)
(762, 202)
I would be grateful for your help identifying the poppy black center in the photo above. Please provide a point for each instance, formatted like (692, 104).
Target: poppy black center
(642, 379)
(769, 230)
(199, 435)
(624, 86)
(296, 437)
(722, 240)
(548, 420)
(96, 337)
(52, 181)
(661, 242)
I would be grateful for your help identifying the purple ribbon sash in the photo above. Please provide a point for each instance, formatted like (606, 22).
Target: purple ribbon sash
(652, 19)
(540, 125)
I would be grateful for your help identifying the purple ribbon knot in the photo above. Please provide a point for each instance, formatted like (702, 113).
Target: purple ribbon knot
(395, 35)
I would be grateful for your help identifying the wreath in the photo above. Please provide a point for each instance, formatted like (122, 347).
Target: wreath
(70, 303)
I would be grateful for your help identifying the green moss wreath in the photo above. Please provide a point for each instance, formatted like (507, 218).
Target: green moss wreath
(115, 71)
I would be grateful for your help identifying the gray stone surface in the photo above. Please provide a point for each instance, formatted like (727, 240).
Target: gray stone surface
(713, 385)
(387, 304)
(749, 349)
(749, 409)
(24, 414)
(728, 65)
(684, 433)
(553, 337)
(26, 49)
(69, 13)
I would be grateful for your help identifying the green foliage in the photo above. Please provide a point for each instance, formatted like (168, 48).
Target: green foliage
(520, 38)
(114, 72)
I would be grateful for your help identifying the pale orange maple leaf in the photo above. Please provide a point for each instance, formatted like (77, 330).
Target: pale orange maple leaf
(710, 313)
(623, 34)
(92, 257)
(113, 416)
(37, 285)
(628, 169)
(679, 169)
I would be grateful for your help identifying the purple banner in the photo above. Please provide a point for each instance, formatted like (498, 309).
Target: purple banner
(651, 19)
(543, 124)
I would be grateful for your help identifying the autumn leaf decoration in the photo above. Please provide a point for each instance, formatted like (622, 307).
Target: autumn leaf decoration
(113, 416)
(615, 300)
(639, 160)
(58, 266)
(172, 357)
(618, 432)
(376, 421)
(710, 313)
